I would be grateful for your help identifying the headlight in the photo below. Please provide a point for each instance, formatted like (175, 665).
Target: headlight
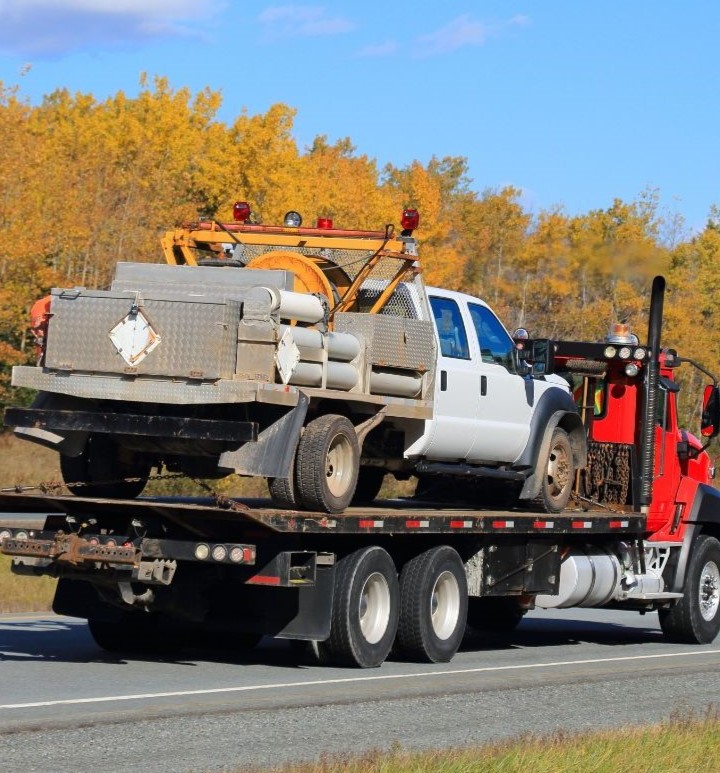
(631, 369)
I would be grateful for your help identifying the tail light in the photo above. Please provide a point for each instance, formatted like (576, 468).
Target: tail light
(324, 222)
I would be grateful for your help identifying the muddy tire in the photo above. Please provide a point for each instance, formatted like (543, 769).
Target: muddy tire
(369, 483)
(103, 461)
(557, 474)
(695, 618)
(327, 463)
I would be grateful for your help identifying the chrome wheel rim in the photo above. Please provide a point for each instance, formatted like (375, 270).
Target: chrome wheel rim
(709, 591)
(445, 605)
(374, 608)
(339, 465)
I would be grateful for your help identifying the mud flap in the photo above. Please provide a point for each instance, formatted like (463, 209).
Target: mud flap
(271, 455)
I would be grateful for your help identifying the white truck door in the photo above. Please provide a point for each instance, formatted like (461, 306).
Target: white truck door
(450, 434)
(506, 399)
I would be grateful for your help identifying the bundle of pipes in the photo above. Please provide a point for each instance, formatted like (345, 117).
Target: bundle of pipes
(341, 366)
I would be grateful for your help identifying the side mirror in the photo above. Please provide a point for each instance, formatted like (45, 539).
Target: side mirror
(542, 357)
(710, 418)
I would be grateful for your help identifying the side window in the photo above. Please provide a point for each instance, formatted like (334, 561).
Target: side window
(496, 346)
(450, 328)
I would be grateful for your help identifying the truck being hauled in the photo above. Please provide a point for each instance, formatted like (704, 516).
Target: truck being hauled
(317, 358)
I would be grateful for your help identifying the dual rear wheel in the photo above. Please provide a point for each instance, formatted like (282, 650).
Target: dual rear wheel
(422, 612)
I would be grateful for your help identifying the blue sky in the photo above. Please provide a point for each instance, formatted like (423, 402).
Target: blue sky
(574, 102)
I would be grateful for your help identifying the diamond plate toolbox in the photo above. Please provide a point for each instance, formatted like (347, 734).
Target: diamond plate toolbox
(197, 337)
(392, 342)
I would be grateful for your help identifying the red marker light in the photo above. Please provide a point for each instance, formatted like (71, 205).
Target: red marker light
(241, 211)
(410, 220)
(324, 222)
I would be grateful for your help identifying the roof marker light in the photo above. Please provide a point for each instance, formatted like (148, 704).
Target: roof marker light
(241, 211)
(409, 221)
(324, 222)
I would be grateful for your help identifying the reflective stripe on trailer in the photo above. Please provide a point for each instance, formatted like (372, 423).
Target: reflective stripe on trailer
(543, 524)
(619, 524)
(582, 524)
(369, 523)
(503, 524)
(417, 524)
(461, 524)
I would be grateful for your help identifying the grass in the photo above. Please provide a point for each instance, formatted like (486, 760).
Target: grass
(24, 594)
(682, 743)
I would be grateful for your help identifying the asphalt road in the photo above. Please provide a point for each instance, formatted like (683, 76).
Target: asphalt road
(65, 705)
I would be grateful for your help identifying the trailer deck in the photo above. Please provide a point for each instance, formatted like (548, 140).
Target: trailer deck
(397, 516)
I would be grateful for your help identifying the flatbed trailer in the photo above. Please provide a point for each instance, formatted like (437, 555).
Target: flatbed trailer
(641, 532)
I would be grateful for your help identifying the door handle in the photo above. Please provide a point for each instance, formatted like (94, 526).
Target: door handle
(483, 385)
(443, 381)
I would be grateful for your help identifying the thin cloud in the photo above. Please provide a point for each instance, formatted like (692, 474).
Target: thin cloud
(286, 21)
(388, 48)
(464, 31)
(51, 28)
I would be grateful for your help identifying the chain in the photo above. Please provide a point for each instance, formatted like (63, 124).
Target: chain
(221, 500)
(606, 479)
(53, 487)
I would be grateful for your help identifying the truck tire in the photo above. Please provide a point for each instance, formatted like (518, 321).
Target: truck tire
(369, 483)
(327, 464)
(102, 460)
(365, 610)
(695, 618)
(433, 605)
(494, 613)
(138, 632)
(282, 493)
(558, 474)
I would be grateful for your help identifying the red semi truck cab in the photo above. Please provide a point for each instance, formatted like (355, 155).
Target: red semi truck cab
(608, 384)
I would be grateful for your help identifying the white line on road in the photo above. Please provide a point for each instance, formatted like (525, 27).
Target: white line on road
(349, 680)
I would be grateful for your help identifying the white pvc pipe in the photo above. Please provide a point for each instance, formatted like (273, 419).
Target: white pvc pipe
(300, 306)
(396, 384)
(340, 346)
(340, 375)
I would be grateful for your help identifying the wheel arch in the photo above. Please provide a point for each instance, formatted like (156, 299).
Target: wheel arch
(703, 518)
(555, 409)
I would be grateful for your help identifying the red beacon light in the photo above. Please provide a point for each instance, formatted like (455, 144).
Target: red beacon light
(324, 222)
(241, 211)
(409, 221)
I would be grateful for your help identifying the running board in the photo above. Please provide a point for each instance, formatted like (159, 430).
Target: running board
(470, 471)
(654, 596)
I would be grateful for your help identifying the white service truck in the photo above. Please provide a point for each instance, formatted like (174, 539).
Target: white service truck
(315, 357)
